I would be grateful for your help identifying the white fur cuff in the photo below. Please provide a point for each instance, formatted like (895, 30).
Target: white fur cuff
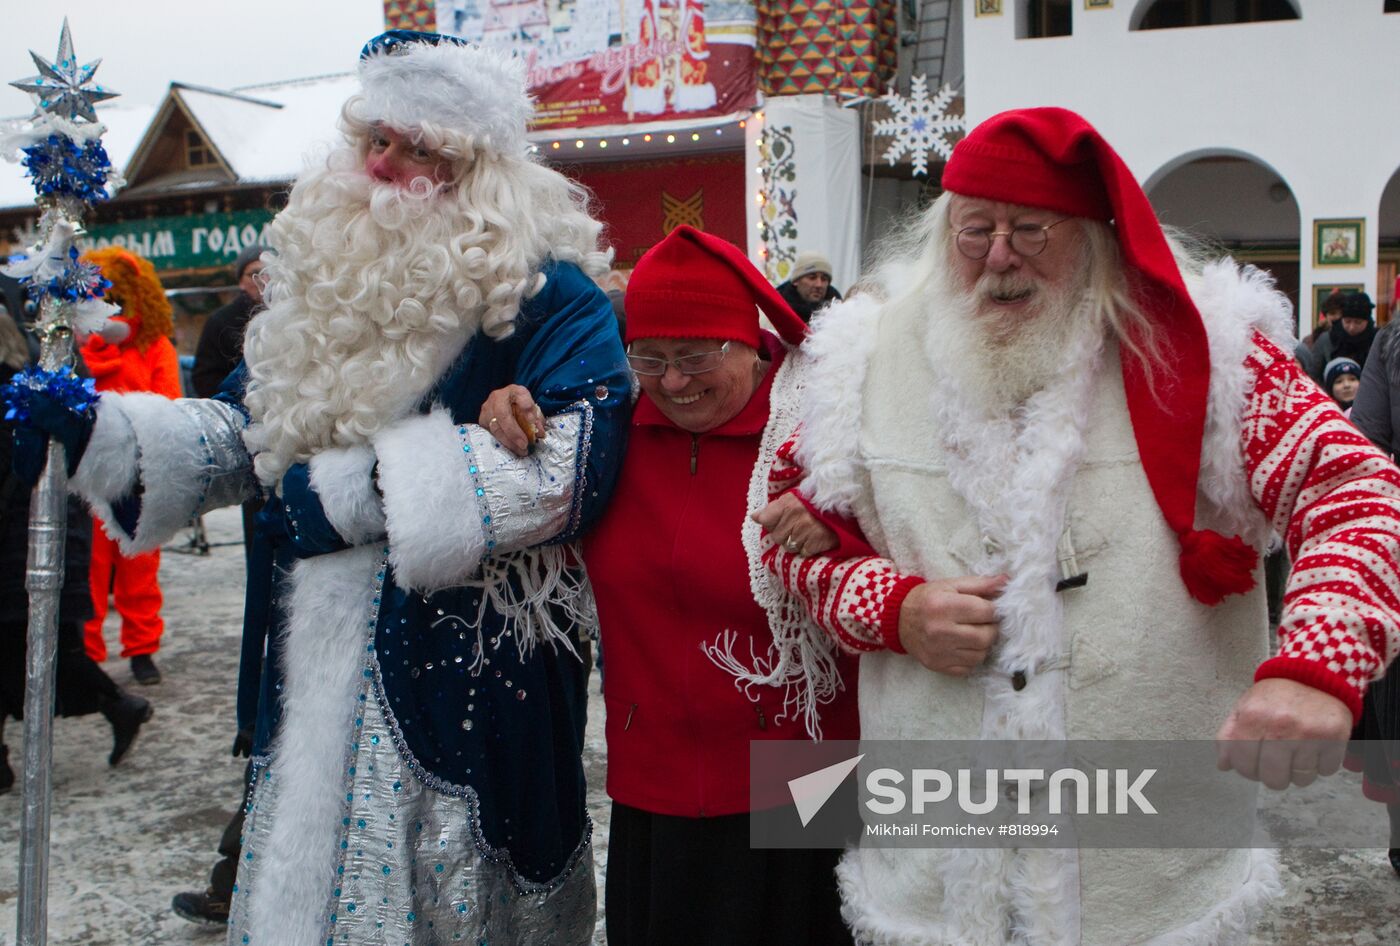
(341, 477)
(157, 441)
(436, 537)
(108, 468)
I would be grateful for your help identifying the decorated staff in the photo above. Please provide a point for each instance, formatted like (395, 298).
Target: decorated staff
(60, 147)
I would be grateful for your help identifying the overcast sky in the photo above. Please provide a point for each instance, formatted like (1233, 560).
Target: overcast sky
(145, 45)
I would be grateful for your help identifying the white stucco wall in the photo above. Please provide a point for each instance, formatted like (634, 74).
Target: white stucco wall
(1314, 99)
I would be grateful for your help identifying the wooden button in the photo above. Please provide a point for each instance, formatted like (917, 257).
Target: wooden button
(1018, 680)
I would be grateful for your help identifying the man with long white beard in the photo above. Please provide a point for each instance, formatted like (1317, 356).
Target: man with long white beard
(436, 399)
(1063, 528)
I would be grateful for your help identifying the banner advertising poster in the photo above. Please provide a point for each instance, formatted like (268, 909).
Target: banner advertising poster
(609, 62)
(642, 201)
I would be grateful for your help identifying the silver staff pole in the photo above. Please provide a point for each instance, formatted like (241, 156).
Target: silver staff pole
(64, 157)
(43, 580)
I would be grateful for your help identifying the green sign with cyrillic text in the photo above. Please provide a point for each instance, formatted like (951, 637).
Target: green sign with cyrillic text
(184, 242)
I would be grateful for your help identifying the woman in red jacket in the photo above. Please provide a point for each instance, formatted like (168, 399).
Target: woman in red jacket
(133, 353)
(671, 565)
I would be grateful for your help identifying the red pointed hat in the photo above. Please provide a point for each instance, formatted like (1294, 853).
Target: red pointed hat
(694, 285)
(1053, 159)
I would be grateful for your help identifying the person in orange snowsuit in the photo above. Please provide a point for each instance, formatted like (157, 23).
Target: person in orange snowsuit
(132, 353)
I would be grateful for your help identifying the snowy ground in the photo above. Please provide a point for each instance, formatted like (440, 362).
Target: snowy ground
(127, 839)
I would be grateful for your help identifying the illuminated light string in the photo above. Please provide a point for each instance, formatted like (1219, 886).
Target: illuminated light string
(626, 142)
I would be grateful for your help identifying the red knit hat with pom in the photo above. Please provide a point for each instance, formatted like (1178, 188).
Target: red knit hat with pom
(1053, 159)
(694, 285)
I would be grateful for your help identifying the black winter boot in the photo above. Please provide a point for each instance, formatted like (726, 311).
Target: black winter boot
(206, 907)
(126, 713)
(144, 670)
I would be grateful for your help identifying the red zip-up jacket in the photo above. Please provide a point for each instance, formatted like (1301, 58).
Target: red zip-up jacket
(670, 575)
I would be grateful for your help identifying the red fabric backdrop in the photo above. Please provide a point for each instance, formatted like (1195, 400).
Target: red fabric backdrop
(642, 201)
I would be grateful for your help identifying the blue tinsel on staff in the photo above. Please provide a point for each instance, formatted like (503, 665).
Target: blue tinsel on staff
(63, 386)
(78, 281)
(61, 167)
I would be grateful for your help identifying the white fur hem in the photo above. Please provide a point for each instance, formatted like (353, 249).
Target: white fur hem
(1227, 923)
(169, 459)
(342, 478)
(431, 511)
(330, 603)
(1230, 922)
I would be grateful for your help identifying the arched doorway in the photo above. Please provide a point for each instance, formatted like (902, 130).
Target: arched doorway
(1388, 249)
(1236, 201)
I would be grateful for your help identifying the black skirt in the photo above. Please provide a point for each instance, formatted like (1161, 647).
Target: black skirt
(696, 882)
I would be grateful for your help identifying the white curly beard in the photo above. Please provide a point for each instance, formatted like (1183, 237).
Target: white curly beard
(1002, 359)
(367, 308)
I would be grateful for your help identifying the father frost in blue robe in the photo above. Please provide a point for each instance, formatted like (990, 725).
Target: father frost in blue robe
(413, 578)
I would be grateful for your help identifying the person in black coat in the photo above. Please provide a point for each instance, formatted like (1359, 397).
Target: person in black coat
(1350, 336)
(809, 285)
(218, 353)
(220, 345)
(1376, 412)
(81, 686)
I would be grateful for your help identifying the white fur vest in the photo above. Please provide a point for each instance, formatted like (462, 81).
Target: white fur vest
(1128, 656)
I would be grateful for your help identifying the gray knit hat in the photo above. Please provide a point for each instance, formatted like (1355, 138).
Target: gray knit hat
(249, 254)
(809, 262)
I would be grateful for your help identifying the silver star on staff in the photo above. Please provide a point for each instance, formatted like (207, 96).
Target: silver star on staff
(62, 87)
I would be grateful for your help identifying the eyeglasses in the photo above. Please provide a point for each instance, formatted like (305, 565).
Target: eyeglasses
(261, 279)
(698, 363)
(1025, 240)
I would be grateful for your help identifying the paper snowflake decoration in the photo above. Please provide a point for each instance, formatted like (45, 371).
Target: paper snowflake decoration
(919, 124)
(62, 87)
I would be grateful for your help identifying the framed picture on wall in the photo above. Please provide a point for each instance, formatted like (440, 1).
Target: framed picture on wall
(1098, 4)
(988, 8)
(1339, 242)
(1321, 291)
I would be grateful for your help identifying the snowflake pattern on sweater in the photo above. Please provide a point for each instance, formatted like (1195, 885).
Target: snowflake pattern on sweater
(1333, 496)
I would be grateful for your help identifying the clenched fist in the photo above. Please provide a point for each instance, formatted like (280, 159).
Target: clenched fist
(949, 625)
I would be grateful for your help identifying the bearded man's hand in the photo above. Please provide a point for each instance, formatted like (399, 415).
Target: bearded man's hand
(949, 625)
(1282, 732)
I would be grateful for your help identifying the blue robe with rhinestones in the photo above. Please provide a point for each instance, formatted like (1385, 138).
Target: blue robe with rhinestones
(452, 702)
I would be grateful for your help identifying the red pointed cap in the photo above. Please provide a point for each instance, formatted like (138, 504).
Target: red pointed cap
(695, 285)
(1054, 159)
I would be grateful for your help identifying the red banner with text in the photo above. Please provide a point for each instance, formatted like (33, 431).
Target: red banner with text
(601, 62)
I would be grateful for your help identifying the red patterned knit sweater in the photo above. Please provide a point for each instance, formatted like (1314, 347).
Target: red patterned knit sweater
(1333, 496)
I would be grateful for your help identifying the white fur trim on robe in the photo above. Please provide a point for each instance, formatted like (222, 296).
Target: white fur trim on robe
(453, 495)
(343, 479)
(329, 608)
(842, 338)
(176, 449)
